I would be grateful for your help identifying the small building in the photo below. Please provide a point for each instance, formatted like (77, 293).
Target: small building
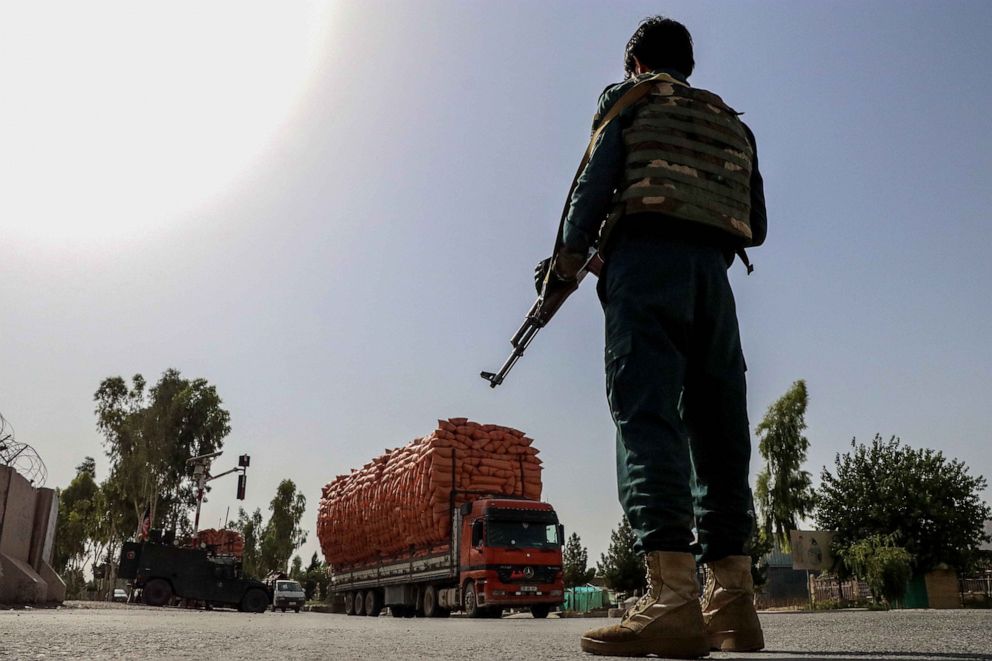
(784, 586)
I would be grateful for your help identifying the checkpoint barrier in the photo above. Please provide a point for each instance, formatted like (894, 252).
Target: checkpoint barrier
(27, 537)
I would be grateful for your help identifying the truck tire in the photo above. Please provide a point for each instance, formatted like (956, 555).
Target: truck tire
(431, 606)
(472, 608)
(359, 604)
(349, 603)
(540, 611)
(255, 601)
(373, 603)
(157, 592)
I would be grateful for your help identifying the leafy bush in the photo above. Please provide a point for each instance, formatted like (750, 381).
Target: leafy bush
(885, 567)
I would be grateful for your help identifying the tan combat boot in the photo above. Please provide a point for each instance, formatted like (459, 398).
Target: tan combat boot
(728, 606)
(666, 621)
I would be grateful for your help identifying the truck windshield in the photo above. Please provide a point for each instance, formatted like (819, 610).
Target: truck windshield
(513, 534)
(288, 586)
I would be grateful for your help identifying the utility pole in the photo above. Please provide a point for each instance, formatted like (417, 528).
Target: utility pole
(201, 472)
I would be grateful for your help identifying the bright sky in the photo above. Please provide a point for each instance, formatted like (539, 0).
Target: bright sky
(332, 211)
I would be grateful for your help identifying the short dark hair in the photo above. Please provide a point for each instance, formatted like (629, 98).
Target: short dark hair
(660, 43)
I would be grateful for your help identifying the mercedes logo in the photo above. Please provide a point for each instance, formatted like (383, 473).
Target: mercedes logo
(528, 572)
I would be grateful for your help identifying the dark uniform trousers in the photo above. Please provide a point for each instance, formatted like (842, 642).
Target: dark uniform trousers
(676, 389)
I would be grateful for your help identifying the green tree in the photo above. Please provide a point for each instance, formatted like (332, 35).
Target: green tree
(296, 568)
(150, 433)
(927, 504)
(575, 560)
(283, 533)
(315, 578)
(784, 492)
(79, 514)
(250, 527)
(620, 566)
(885, 567)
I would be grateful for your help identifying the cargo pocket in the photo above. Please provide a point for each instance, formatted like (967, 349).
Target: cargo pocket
(617, 354)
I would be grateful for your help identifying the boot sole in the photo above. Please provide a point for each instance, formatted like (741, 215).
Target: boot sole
(737, 641)
(680, 648)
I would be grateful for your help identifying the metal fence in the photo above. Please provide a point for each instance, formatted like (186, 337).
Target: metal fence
(976, 590)
(830, 588)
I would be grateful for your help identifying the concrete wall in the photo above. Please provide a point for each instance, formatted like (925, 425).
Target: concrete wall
(27, 533)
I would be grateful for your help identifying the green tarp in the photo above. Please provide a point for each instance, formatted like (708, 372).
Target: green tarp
(585, 598)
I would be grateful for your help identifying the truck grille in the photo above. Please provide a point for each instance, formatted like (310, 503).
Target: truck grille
(528, 573)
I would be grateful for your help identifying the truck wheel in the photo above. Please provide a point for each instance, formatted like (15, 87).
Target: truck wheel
(349, 603)
(359, 604)
(157, 592)
(431, 606)
(540, 611)
(373, 604)
(255, 601)
(471, 604)
(430, 601)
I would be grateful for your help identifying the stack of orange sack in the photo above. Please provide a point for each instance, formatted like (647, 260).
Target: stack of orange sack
(222, 542)
(401, 499)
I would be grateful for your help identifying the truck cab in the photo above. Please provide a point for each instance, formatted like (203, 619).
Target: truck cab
(510, 556)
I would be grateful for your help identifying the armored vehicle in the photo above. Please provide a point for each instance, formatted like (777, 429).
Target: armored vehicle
(163, 573)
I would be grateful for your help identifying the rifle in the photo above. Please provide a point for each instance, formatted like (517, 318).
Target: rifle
(553, 294)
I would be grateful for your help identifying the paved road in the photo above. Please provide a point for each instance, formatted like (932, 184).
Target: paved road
(144, 632)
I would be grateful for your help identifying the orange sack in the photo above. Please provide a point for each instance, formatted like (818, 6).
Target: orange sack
(402, 498)
(221, 542)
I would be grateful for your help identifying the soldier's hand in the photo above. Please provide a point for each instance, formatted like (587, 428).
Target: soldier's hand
(540, 273)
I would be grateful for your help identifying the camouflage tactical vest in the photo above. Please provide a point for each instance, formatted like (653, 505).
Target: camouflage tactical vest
(688, 157)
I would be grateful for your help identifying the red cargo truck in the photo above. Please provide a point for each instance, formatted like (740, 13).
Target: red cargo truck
(503, 552)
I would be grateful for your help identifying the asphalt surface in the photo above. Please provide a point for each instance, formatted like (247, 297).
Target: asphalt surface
(141, 632)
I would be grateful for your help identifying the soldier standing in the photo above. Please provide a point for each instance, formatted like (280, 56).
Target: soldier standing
(675, 176)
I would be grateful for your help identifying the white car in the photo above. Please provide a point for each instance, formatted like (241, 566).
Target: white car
(288, 594)
(120, 595)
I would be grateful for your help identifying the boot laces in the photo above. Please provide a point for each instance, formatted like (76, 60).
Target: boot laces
(646, 599)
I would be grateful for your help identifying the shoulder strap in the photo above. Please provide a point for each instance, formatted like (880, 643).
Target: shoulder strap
(638, 91)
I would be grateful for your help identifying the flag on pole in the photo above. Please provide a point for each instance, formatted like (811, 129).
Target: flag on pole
(145, 524)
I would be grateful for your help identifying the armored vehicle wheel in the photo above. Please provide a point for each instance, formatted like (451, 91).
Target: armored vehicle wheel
(373, 603)
(349, 603)
(255, 601)
(359, 604)
(157, 592)
(471, 604)
(540, 611)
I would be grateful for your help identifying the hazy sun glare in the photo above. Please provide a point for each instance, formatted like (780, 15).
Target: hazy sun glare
(118, 118)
